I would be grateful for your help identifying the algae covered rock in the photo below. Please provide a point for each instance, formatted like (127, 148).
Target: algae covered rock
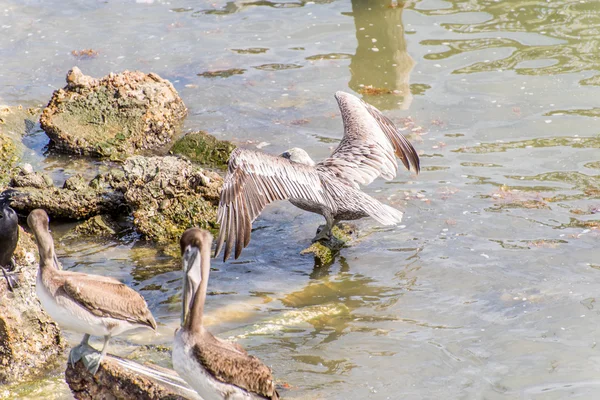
(169, 195)
(76, 200)
(325, 251)
(203, 148)
(115, 116)
(29, 339)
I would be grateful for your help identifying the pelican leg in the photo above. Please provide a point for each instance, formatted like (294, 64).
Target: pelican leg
(11, 281)
(324, 232)
(78, 351)
(92, 360)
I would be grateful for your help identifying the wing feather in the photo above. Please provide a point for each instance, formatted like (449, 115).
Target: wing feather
(229, 363)
(108, 298)
(370, 145)
(254, 180)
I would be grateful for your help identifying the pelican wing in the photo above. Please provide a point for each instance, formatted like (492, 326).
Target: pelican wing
(255, 179)
(370, 145)
(105, 297)
(229, 365)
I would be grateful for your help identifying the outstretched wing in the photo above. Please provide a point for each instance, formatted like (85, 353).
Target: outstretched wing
(106, 297)
(234, 367)
(370, 145)
(255, 179)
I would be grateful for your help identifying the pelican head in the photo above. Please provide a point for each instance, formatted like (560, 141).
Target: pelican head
(193, 243)
(298, 155)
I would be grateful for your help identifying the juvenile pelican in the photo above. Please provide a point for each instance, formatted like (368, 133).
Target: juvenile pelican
(330, 188)
(9, 236)
(215, 368)
(89, 304)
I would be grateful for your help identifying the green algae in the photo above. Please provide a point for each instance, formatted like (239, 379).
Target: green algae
(203, 148)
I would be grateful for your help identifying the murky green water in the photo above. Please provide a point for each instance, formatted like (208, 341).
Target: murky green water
(489, 289)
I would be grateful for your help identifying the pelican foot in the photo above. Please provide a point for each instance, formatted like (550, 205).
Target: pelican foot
(322, 234)
(78, 352)
(11, 281)
(92, 361)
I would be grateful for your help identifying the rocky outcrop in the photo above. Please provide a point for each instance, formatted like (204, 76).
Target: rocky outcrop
(77, 199)
(166, 195)
(115, 116)
(203, 148)
(169, 195)
(29, 339)
(123, 379)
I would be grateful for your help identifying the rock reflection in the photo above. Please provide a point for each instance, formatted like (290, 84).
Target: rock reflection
(381, 62)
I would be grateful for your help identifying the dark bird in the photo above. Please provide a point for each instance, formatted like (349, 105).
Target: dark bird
(215, 368)
(89, 304)
(330, 188)
(9, 236)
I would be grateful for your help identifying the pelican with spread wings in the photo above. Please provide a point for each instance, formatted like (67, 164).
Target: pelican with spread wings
(330, 188)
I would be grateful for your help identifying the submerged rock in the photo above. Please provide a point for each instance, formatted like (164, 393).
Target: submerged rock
(29, 339)
(115, 116)
(203, 148)
(122, 379)
(99, 226)
(325, 252)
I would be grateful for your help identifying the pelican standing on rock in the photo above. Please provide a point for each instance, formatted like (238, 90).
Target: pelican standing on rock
(330, 188)
(215, 368)
(9, 237)
(89, 304)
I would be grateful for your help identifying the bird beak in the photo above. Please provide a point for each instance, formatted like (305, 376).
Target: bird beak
(192, 277)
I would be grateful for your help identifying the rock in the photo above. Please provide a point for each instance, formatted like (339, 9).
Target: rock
(76, 200)
(166, 195)
(123, 379)
(99, 226)
(25, 177)
(325, 252)
(29, 339)
(203, 148)
(169, 195)
(115, 116)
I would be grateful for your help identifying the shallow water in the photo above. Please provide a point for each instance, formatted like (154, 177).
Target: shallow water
(487, 290)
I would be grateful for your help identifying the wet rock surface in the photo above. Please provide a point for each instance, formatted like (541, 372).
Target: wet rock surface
(29, 340)
(325, 251)
(165, 195)
(123, 379)
(204, 149)
(169, 195)
(115, 116)
(76, 200)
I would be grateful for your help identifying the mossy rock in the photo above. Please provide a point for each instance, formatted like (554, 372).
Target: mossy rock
(203, 148)
(325, 251)
(114, 117)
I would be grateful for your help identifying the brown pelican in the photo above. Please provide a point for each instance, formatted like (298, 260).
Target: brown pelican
(368, 150)
(215, 368)
(9, 236)
(89, 304)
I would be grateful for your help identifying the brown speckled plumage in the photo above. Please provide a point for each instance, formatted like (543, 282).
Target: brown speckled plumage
(330, 188)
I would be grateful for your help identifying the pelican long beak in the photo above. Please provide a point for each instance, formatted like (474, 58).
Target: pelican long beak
(192, 276)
